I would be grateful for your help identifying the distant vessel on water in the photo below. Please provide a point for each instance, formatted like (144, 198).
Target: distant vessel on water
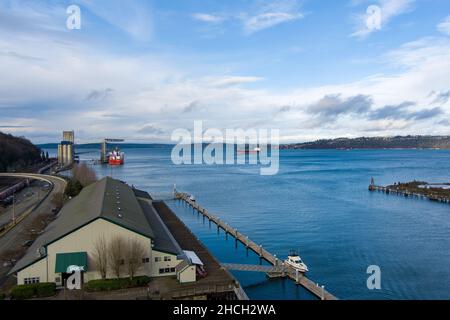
(256, 150)
(116, 158)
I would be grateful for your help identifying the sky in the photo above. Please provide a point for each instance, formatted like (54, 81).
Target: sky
(139, 70)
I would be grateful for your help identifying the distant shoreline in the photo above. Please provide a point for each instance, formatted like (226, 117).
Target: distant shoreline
(380, 143)
(362, 143)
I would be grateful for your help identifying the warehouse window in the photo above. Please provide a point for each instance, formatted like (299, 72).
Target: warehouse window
(172, 270)
(145, 260)
(157, 259)
(31, 280)
(167, 259)
(161, 271)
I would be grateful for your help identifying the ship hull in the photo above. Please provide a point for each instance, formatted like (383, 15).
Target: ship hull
(116, 162)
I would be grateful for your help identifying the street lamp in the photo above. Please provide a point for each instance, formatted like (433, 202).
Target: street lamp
(14, 209)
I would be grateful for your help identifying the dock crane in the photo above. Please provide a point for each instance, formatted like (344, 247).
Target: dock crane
(104, 148)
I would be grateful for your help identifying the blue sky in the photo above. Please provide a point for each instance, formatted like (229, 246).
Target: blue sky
(141, 69)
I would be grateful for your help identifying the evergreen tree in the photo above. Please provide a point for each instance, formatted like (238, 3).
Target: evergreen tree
(73, 188)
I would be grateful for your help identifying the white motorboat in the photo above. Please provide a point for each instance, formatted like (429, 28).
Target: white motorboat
(296, 262)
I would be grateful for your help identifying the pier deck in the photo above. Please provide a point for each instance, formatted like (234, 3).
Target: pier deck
(219, 280)
(290, 273)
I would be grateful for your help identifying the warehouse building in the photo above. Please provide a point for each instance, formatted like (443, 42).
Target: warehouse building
(103, 212)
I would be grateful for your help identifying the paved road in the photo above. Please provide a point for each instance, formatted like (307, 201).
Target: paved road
(24, 200)
(17, 236)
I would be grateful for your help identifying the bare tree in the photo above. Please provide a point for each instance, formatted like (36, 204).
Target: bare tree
(58, 200)
(84, 174)
(116, 251)
(134, 254)
(10, 256)
(100, 256)
(39, 223)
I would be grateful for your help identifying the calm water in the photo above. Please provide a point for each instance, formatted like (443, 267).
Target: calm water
(319, 205)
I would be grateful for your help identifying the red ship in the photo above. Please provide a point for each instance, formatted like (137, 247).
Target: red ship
(116, 158)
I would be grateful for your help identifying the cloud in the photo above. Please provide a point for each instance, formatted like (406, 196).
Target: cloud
(426, 113)
(270, 15)
(284, 109)
(261, 16)
(11, 127)
(151, 129)
(442, 97)
(444, 26)
(230, 81)
(135, 17)
(151, 91)
(402, 112)
(98, 95)
(389, 9)
(444, 122)
(209, 18)
(391, 112)
(15, 55)
(193, 107)
(267, 20)
(330, 107)
(32, 17)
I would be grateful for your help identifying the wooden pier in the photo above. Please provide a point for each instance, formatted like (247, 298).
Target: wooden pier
(282, 270)
(407, 194)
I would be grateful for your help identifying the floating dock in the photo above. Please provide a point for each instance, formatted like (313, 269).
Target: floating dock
(278, 270)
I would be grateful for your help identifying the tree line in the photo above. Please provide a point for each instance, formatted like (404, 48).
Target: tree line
(17, 153)
(406, 142)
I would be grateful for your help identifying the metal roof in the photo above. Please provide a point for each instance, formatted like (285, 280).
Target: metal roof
(163, 239)
(192, 256)
(107, 199)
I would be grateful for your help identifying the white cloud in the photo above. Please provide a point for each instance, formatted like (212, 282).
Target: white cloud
(261, 16)
(268, 20)
(228, 81)
(444, 26)
(389, 10)
(49, 80)
(133, 17)
(271, 14)
(149, 90)
(209, 18)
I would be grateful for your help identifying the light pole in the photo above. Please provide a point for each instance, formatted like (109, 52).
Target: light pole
(14, 209)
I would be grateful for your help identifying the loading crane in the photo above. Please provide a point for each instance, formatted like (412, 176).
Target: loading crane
(104, 148)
